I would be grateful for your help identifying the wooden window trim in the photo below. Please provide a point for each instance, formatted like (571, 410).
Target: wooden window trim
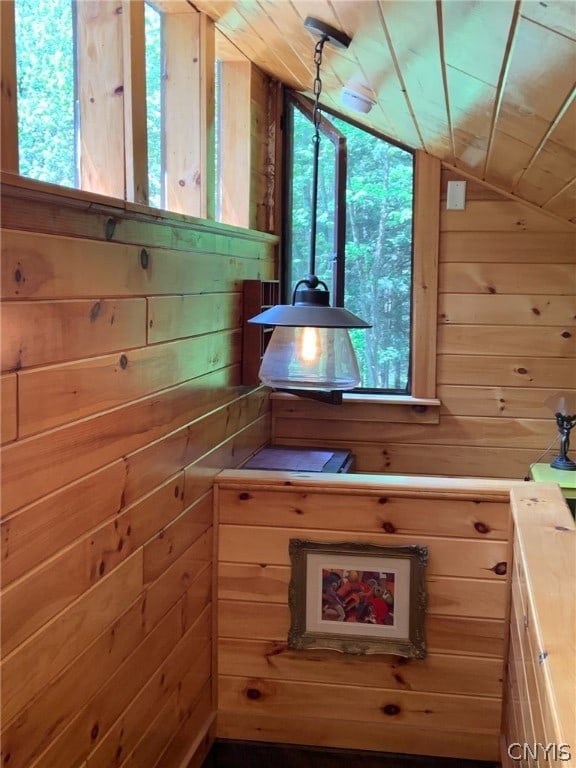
(8, 102)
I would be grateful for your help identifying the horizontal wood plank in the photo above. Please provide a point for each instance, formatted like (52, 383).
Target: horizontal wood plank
(176, 536)
(36, 333)
(75, 390)
(446, 596)
(397, 459)
(302, 409)
(175, 580)
(512, 371)
(69, 452)
(253, 620)
(196, 728)
(25, 673)
(452, 430)
(79, 739)
(508, 247)
(39, 530)
(53, 267)
(510, 402)
(49, 713)
(376, 513)
(192, 651)
(299, 699)
(245, 545)
(511, 310)
(500, 216)
(153, 464)
(173, 317)
(498, 340)
(532, 279)
(230, 454)
(113, 221)
(348, 734)
(32, 601)
(436, 673)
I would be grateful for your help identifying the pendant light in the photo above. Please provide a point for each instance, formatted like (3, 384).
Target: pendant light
(310, 348)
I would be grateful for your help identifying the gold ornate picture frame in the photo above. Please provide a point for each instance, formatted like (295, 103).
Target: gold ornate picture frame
(358, 598)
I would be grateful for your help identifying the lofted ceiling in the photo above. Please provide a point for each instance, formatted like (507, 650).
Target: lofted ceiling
(488, 86)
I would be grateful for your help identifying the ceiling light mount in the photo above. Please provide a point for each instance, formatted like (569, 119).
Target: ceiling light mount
(328, 33)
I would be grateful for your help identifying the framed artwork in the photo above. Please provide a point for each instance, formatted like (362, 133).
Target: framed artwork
(358, 598)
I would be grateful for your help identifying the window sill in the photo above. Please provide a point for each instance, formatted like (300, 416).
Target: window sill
(415, 402)
(369, 407)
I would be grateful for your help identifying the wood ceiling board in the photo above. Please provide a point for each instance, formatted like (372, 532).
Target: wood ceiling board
(559, 15)
(378, 68)
(471, 103)
(564, 203)
(282, 33)
(549, 173)
(425, 77)
(541, 73)
(475, 36)
(564, 132)
(413, 32)
(523, 125)
(226, 50)
(507, 161)
(250, 42)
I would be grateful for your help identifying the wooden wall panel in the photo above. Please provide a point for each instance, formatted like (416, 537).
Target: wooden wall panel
(541, 669)
(84, 387)
(122, 401)
(35, 333)
(262, 683)
(506, 345)
(9, 406)
(171, 317)
(51, 266)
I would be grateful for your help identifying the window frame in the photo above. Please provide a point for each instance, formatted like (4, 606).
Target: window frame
(425, 247)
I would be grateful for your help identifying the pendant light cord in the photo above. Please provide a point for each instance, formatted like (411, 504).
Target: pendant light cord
(317, 117)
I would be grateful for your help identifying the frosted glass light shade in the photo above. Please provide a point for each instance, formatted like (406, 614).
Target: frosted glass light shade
(310, 358)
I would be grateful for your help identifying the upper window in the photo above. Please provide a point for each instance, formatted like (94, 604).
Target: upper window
(47, 116)
(153, 34)
(364, 236)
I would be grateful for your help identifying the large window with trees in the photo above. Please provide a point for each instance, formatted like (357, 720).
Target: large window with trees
(364, 236)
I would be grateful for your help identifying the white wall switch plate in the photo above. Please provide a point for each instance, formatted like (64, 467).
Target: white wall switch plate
(456, 196)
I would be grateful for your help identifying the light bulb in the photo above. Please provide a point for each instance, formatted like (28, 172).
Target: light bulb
(309, 345)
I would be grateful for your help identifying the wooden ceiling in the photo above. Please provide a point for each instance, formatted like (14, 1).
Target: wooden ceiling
(488, 86)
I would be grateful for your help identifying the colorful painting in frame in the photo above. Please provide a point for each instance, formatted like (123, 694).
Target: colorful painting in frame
(358, 598)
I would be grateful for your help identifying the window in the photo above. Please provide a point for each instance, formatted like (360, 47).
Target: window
(153, 33)
(47, 122)
(364, 236)
(112, 98)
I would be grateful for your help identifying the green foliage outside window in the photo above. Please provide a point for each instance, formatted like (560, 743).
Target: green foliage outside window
(46, 91)
(153, 33)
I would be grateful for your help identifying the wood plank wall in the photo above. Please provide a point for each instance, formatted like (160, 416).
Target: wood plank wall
(506, 343)
(540, 722)
(121, 399)
(446, 704)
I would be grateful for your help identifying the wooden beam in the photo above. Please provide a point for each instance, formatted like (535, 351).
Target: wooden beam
(425, 277)
(135, 128)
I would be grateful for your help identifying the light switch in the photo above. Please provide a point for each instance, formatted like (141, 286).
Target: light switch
(456, 196)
